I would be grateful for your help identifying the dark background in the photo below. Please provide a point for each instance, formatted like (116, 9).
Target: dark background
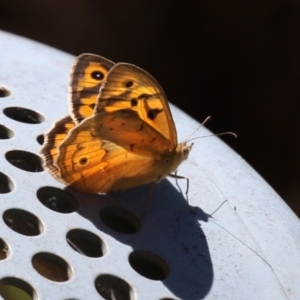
(238, 61)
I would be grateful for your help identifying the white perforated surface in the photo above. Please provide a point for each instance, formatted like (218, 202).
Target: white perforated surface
(213, 258)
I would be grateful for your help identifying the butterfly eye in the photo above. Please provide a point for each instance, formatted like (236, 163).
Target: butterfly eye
(97, 75)
(129, 83)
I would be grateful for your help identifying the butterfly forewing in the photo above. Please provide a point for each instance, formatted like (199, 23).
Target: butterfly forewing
(129, 87)
(91, 160)
(88, 73)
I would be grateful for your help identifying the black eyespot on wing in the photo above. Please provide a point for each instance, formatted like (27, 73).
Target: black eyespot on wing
(92, 106)
(146, 96)
(129, 84)
(97, 75)
(152, 113)
(134, 102)
(83, 160)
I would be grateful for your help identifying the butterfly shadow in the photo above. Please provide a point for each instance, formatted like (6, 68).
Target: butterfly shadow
(170, 229)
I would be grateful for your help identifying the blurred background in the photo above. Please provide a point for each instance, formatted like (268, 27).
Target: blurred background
(238, 61)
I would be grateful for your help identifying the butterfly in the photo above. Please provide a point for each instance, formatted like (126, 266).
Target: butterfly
(120, 133)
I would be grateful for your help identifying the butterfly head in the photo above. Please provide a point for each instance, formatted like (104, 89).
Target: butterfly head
(184, 150)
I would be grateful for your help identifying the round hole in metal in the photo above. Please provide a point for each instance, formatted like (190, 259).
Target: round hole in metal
(86, 243)
(149, 265)
(4, 92)
(40, 139)
(24, 160)
(120, 219)
(57, 199)
(4, 250)
(51, 266)
(5, 133)
(12, 288)
(24, 115)
(23, 222)
(112, 287)
(6, 185)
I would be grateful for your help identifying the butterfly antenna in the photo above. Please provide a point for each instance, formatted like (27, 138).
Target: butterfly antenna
(214, 134)
(202, 124)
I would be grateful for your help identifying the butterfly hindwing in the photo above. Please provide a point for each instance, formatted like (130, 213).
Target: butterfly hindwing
(52, 139)
(112, 151)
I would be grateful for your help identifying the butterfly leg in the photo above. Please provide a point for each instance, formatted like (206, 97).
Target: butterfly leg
(148, 201)
(187, 184)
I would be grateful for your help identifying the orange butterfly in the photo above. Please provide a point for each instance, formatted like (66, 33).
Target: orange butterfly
(121, 133)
